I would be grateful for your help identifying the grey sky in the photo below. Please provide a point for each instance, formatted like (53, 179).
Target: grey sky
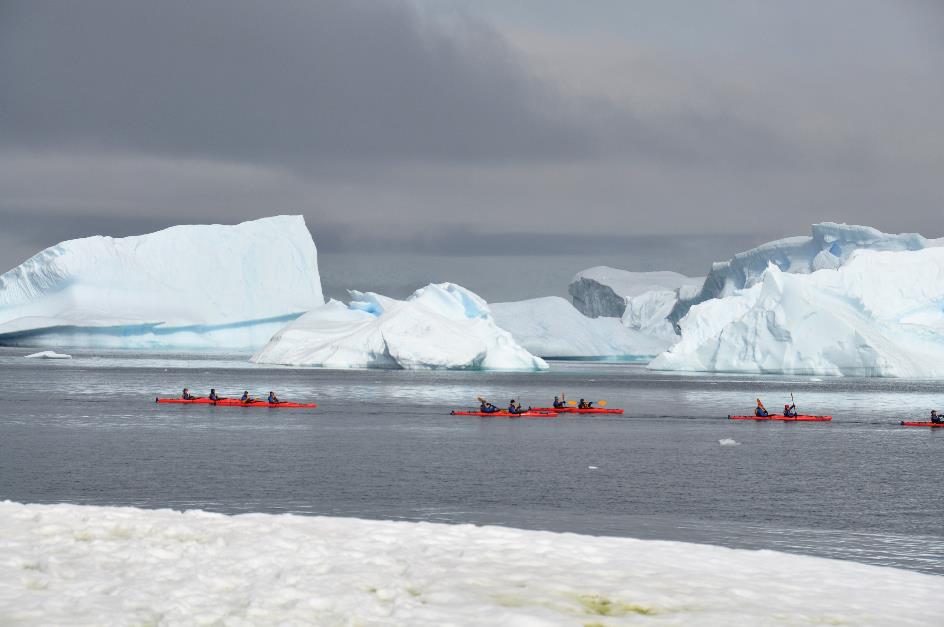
(455, 128)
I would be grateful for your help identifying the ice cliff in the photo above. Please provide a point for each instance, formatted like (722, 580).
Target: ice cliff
(552, 327)
(439, 326)
(829, 246)
(199, 286)
(879, 313)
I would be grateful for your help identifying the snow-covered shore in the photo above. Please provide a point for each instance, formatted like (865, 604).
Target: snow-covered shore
(104, 565)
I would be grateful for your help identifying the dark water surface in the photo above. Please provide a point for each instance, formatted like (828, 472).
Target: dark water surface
(382, 445)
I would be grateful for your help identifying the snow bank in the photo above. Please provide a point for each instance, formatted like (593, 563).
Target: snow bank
(48, 355)
(830, 246)
(879, 314)
(186, 286)
(439, 326)
(552, 327)
(66, 564)
(609, 292)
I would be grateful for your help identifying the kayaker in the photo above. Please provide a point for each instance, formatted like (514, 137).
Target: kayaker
(559, 402)
(790, 411)
(245, 398)
(214, 396)
(273, 399)
(487, 408)
(760, 410)
(514, 407)
(936, 418)
(585, 404)
(187, 396)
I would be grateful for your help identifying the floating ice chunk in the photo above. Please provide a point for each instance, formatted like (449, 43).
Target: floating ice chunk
(880, 314)
(440, 326)
(728, 442)
(552, 327)
(68, 564)
(48, 355)
(194, 286)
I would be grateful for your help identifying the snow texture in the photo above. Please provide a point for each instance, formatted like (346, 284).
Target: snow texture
(195, 286)
(48, 355)
(879, 314)
(830, 246)
(440, 326)
(609, 292)
(68, 564)
(552, 327)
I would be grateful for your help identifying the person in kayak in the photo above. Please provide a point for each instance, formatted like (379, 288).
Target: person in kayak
(585, 404)
(273, 399)
(514, 407)
(245, 398)
(790, 411)
(487, 408)
(760, 410)
(936, 417)
(187, 396)
(559, 402)
(214, 396)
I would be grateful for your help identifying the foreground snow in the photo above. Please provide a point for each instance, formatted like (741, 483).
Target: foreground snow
(879, 314)
(552, 327)
(67, 564)
(201, 286)
(829, 246)
(439, 326)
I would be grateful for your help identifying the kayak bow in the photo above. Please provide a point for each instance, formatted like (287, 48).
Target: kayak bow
(906, 423)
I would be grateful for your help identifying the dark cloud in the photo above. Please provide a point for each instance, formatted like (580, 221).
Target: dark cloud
(294, 81)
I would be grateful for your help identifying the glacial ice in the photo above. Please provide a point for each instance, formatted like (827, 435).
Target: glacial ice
(194, 286)
(439, 326)
(879, 314)
(71, 564)
(602, 291)
(552, 327)
(48, 355)
(829, 246)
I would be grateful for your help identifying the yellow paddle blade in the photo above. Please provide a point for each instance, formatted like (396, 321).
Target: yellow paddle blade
(572, 403)
(601, 403)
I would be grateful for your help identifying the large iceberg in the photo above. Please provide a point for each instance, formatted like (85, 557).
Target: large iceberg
(829, 246)
(439, 326)
(602, 291)
(552, 327)
(879, 314)
(200, 286)
(70, 564)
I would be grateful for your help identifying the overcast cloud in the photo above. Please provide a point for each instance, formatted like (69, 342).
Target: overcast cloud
(471, 128)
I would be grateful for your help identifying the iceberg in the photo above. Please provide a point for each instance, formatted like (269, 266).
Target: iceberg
(602, 291)
(48, 355)
(440, 326)
(878, 314)
(552, 327)
(73, 564)
(828, 247)
(194, 286)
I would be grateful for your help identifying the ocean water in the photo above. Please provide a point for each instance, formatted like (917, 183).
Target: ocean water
(382, 445)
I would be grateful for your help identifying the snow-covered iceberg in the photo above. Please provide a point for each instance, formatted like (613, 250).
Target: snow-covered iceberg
(439, 326)
(70, 564)
(200, 286)
(48, 355)
(602, 291)
(879, 314)
(552, 327)
(829, 246)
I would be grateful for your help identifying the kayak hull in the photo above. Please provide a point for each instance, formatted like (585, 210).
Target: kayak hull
(906, 423)
(505, 414)
(234, 402)
(576, 410)
(800, 418)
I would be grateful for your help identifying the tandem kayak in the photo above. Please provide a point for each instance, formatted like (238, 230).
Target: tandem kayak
(905, 423)
(800, 418)
(234, 402)
(577, 410)
(505, 414)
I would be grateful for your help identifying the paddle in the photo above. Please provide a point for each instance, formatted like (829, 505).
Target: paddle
(793, 402)
(601, 403)
(572, 403)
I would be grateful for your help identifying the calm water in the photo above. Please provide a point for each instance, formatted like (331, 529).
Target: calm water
(382, 445)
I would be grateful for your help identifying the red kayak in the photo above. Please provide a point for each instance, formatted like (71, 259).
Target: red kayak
(234, 402)
(905, 423)
(799, 418)
(577, 410)
(505, 414)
